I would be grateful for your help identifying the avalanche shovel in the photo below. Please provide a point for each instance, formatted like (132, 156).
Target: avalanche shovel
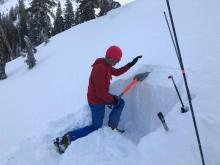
(137, 78)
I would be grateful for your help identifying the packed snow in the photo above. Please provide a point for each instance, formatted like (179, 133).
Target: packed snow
(40, 104)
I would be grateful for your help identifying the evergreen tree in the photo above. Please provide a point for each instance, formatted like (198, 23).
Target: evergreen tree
(2, 1)
(3, 53)
(34, 30)
(40, 11)
(12, 14)
(107, 5)
(10, 35)
(86, 11)
(31, 61)
(59, 21)
(22, 25)
(68, 15)
(3, 59)
(115, 5)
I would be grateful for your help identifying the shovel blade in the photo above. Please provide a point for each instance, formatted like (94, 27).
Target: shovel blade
(141, 76)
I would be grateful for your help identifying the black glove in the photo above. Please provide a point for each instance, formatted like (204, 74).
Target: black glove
(134, 61)
(116, 99)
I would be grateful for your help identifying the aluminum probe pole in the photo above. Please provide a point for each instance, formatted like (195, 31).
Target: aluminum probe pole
(185, 81)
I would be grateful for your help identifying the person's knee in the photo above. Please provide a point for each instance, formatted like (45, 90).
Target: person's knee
(121, 104)
(97, 124)
(98, 113)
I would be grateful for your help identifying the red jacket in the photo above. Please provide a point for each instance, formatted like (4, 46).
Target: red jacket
(99, 81)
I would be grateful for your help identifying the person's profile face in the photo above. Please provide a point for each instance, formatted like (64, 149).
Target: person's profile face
(111, 61)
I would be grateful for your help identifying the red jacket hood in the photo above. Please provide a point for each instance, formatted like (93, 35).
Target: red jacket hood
(99, 61)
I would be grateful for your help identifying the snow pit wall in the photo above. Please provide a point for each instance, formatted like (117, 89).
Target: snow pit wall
(143, 102)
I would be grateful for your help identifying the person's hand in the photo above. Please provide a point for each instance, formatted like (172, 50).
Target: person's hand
(134, 61)
(118, 102)
(116, 99)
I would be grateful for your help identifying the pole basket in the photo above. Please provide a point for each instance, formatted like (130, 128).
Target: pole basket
(184, 109)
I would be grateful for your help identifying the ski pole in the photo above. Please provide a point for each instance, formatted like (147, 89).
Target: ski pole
(185, 81)
(170, 33)
(183, 108)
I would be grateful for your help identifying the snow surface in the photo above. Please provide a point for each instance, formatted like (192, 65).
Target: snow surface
(40, 104)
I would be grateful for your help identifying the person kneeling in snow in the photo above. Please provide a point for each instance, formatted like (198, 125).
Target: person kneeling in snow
(98, 95)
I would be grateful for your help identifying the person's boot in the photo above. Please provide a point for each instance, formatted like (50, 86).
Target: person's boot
(3, 76)
(62, 143)
(120, 130)
(117, 129)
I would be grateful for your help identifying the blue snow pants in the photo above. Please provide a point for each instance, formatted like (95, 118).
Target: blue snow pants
(98, 113)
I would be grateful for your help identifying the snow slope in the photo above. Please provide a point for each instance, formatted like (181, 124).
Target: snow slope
(40, 104)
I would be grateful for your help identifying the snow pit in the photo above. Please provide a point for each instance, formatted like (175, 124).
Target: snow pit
(142, 103)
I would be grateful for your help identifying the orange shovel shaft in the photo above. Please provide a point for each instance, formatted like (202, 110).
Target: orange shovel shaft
(129, 87)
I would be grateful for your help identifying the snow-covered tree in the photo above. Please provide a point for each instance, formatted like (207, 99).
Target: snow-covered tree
(107, 5)
(2, 66)
(12, 14)
(59, 21)
(3, 58)
(86, 11)
(2, 1)
(31, 61)
(68, 15)
(22, 24)
(9, 35)
(40, 11)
